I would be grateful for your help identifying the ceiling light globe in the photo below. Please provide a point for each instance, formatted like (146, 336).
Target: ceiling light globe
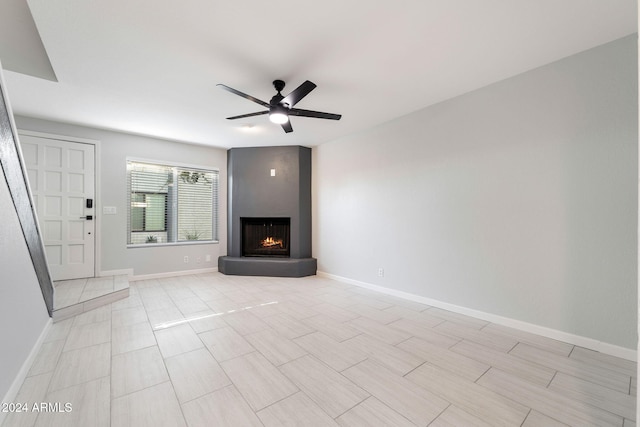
(278, 118)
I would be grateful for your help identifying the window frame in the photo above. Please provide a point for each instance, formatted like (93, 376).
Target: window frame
(175, 165)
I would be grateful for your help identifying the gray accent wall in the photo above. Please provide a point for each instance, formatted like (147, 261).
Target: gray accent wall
(518, 199)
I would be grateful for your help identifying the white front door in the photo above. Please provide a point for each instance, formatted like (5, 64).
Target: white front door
(62, 181)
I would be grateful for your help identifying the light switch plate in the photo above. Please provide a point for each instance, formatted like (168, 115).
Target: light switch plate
(109, 210)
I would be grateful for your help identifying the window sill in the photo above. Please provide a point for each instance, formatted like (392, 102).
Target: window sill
(186, 243)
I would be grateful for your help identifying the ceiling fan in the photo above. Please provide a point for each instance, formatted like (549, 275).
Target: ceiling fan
(281, 107)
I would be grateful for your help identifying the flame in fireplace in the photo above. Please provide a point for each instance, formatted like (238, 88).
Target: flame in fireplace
(270, 242)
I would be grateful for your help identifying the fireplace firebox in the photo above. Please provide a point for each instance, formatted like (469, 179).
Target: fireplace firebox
(266, 237)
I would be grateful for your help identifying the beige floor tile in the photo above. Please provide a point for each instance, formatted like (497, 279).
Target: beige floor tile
(92, 316)
(155, 406)
(276, 348)
(131, 301)
(156, 301)
(458, 318)
(47, 358)
(222, 304)
(544, 343)
(132, 337)
(536, 419)
(261, 383)
(456, 417)
(338, 314)
(59, 330)
(244, 322)
(296, 311)
(88, 334)
(177, 340)
(596, 395)
(190, 305)
(338, 356)
(490, 407)
(395, 358)
(425, 332)
(90, 406)
(195, 374)
(334, 393)
(446, 359)
(316, 316)
(622, 366)
(418, 316)
(164, 316)
(372, 301)
(225, 343)
(339, 331)
(178, 292)
(128, 316)
(577, 368)
(68, 292)
(294, 411)
(207, 320)
(487, 339)
(81, 365)
(506, 362)
(415, 403)
(373, 413)
(32, 391)
(222, 408)
(287, 326)
(380, 316)
(379, 331)
(547, 402)
(136, 370)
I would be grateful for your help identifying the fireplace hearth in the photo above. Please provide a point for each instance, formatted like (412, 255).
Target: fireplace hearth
(266, 237)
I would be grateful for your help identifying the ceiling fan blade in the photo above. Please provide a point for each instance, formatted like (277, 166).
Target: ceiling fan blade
(248, 115)
(298, 93)
(287, 127)
(314, 114)
(244, 95)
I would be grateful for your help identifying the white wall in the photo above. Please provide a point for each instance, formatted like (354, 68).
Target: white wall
(115, 147)
(518, 199)
(23, 314)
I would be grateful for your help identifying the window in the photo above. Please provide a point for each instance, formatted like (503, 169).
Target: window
(171, 204)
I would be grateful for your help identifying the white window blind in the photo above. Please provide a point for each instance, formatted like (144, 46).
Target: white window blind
(170, 204)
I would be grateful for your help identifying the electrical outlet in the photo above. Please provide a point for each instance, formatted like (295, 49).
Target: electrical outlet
(208, 258)
(186, 260)
(381, 272)
(198, 260)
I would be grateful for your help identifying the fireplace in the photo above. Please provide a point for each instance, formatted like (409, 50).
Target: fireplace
(266, 237)
(268, 212)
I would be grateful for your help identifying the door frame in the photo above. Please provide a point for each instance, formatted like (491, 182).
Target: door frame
(97, 263)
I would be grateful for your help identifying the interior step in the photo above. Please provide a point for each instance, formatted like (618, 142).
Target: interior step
(72, 297)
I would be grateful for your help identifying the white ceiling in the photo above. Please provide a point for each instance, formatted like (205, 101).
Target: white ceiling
(151, 66)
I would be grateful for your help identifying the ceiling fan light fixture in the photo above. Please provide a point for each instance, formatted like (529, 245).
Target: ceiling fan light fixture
(278, 115)
(278, 118)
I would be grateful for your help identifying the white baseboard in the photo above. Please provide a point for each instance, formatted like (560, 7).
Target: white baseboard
(592, 344)
(172, 274)
(11, 394)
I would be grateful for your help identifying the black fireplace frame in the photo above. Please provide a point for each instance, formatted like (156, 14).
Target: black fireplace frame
(254, 230)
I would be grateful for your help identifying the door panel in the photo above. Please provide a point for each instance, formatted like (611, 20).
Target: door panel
(62, 177)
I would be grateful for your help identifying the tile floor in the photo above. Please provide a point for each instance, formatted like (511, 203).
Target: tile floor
(215, 350)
